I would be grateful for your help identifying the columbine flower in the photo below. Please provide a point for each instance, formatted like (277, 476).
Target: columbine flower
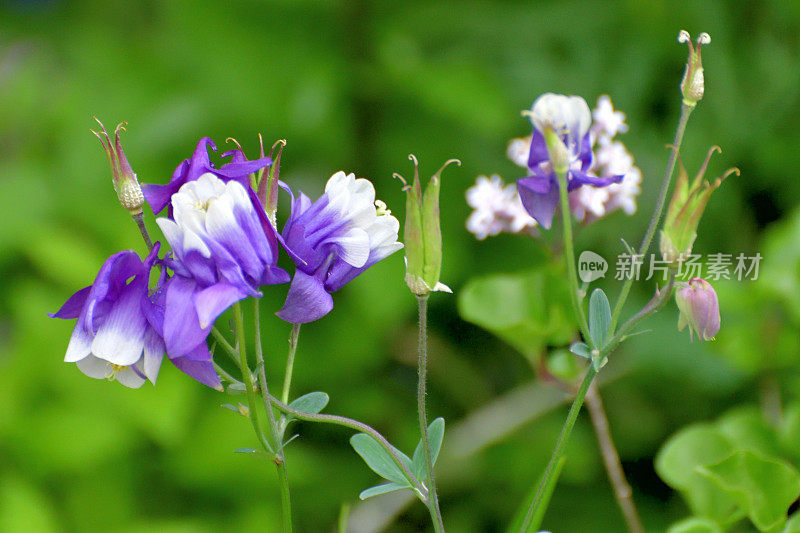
(560, 142)
(113, 338)
(238, 169)
(497, 208)
(685, 210)
(699, 308)
(225, 249)
(335, 239)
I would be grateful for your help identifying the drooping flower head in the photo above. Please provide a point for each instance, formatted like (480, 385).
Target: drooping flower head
(112, 338)
(238, 169)
(225, 249)
(334, 239)
(699, 308)
(560, 142)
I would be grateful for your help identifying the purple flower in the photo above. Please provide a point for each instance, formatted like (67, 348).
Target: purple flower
(238, 169)
(112, 338)
(225, 249)
(699, 308)
(335, 239)
(565, 121)
(118, 333)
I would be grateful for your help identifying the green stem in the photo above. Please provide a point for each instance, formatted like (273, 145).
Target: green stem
(247, 377)
(277, 438)
(358, 426)
(287, 378)
(544, 487)
(422, 372)
(569, 250)
(139, 219)
(655, 219)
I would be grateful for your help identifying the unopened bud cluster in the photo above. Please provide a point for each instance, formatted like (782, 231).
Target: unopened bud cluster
(124, 179)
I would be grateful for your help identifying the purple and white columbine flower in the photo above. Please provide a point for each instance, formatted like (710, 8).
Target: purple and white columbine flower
(569, 118)
(238, 169)
(335, 239)
(113, 338)
(225, 249)
(498, 208)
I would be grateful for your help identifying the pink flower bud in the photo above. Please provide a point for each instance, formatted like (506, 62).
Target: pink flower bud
(699, 308)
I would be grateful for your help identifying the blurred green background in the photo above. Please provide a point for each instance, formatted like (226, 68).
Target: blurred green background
(358, 85)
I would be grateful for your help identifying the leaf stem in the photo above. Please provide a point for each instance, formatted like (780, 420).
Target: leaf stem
(358, 426)
(247, 377)
(686, 110)
(422, 372)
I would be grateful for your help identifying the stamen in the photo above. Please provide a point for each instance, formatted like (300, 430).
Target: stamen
(381, 209)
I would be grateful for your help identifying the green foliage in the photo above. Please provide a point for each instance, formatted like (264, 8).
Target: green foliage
(729, 470)
(313, 402)
(381, 462)
(599, 318)
(763, 488)
(528, 310)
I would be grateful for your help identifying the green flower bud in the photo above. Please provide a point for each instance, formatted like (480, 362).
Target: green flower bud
(693, 82)
(422, 233)
(685, 210)
(124, 179)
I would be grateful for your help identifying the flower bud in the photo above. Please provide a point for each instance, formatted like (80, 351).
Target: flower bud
(699, 308)
(125, 183)
(422, 233)
(685, 210)
(693, 83)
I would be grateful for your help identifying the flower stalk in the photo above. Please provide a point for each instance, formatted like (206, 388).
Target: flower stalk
(422, 372)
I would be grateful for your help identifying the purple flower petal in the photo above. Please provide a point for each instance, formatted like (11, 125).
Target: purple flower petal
(307, 300)
(73, 306)
(579, 178)
(538, 153)
(197, 365)
(182, 331)
(120, 339)
(539, 196)
(212, 301)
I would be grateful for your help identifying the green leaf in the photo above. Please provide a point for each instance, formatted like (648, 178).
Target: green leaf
(435, 436)
(763, 487)
(379, 459)
(528, 310)
(599, 318)
(677, 464)
(382, 489)
(581, 350)
(695, 525)
(313, 402)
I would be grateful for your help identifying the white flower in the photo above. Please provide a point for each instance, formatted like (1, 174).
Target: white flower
(607, 121)
(565, 115)
(498, 208)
